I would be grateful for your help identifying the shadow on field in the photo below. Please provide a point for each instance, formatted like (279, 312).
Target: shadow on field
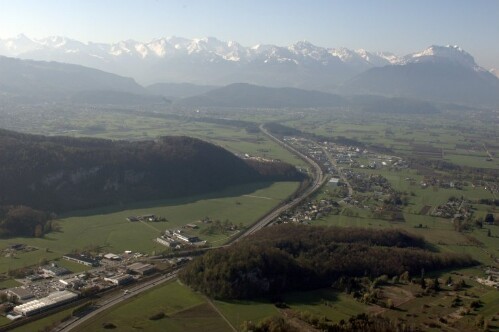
(233, 191)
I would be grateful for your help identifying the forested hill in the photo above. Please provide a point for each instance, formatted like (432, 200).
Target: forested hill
(296, 257)
(63, 173)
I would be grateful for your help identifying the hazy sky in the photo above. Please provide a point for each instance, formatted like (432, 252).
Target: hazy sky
(399, 26)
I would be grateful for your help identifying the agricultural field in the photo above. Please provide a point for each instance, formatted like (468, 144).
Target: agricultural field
(184, 311)
(108, 229)
(463, 138)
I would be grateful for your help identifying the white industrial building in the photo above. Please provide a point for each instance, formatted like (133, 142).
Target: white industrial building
(50, 301)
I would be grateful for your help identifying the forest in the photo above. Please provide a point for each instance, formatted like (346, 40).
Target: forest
(24, 221)
(59, 173)
(298, 257)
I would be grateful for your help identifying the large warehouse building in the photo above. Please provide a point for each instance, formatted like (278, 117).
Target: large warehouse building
(50, 301)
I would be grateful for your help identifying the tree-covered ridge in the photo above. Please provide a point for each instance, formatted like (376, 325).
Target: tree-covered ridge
(298, 257)
(64, 173)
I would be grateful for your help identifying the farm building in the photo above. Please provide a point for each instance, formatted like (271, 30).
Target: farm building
(166, 241)
(191, 226)
(186, 237)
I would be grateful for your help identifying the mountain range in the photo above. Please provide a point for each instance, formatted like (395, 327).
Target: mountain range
(201, 61)
(438, 73)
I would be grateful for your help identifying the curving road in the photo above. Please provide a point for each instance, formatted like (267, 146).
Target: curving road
(319, 179)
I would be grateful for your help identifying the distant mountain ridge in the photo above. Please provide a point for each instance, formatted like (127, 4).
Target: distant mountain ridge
(209, 61)
(243, 95)
(195, 67)
(66, 82)
(430, 78)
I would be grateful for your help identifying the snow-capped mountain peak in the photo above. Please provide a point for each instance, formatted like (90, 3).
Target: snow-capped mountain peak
(151, 61)
(449, 53)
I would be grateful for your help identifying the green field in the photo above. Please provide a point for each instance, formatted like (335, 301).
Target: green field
(109, 229)
(46, 322)
(184, 309)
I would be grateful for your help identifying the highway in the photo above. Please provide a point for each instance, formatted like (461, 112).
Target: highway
(318, 180)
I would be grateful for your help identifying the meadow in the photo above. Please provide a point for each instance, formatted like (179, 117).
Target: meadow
(109, 230)
(184, 311)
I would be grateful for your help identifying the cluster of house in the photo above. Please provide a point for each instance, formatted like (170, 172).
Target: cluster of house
(309, 211)
(145, 217)
(363, 182)
(453, 208)
(179, 238)
(432, 181)
(16, 248)
(492, 279)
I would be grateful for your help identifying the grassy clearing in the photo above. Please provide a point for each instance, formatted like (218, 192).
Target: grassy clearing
(239, 311)
(333, 305)
(8, 283)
